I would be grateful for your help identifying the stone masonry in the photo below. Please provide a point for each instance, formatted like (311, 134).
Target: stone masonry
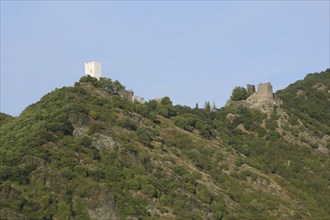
(263, 99)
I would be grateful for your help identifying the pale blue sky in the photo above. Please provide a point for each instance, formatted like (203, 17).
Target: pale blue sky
(190, 51)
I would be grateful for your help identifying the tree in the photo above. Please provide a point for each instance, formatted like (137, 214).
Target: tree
(196, 106)
(152, 105)
(207, 106)
(166, 101)
(104, 82)
(213, 106)
(88, 78)
(186, 122)
(117, 85)
(162, 110)
(239, 93)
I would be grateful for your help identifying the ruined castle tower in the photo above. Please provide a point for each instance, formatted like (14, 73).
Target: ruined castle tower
(263, 99)
(251, 88)
(93, 68)
(265, 89)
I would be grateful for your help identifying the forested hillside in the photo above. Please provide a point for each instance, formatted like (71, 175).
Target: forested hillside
(83, 152)
(4, 118)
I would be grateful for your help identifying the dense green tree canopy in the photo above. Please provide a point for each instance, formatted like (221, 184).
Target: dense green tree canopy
(239, 93)
(84, 153)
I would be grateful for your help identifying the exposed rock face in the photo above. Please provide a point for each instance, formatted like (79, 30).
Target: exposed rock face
(321, 87)
(81, 123)
(79, 131)
(101, 141)
(102, 204)
(231, 117)
(301, 93)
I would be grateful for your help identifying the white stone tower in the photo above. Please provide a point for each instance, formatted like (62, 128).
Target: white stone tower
(93, 68)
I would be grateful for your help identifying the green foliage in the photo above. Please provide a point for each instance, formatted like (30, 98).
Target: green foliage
(128, 124)
(239, 93)
(117, 85)
(186, 122)
(204, 195)
(207, 106)
(152, 105)
(144, 136)
(315, 89)
(102, 82)
(88, 79)
(163, 111)
(166, 101)
(178, 140)
(84, 149)
(95, 128)
(85, 141)
(4, 118)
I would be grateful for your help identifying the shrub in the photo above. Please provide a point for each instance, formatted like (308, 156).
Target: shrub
(144, 136)
(95, 128)
(204, 195)
(295, 131)
(166, 101)
(85, 141)
(186, 121)
(128, 124)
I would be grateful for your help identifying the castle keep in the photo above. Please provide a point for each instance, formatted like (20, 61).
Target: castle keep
(93, 68)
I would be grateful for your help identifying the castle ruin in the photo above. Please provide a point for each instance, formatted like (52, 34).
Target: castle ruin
(262, 99)
(129, 95)
(251, 88)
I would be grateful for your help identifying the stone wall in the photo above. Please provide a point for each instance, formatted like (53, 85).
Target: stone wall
(263, 99)
(126, 94)
(138, 99)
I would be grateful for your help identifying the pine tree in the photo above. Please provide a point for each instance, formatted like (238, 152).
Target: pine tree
(207, 106)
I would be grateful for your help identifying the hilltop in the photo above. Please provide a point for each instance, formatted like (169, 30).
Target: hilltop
(84, 152)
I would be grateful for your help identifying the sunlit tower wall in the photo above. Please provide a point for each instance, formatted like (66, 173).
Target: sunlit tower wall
(93, 68)
(265, 90)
